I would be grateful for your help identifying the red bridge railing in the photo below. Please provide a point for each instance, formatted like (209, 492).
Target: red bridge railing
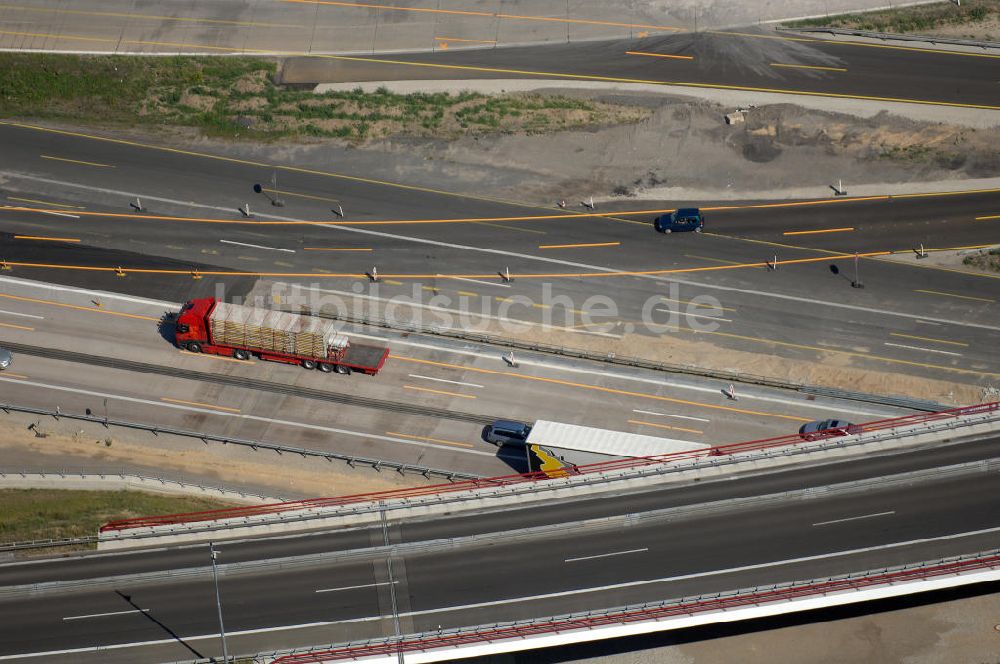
(510, 480)
(681, 608)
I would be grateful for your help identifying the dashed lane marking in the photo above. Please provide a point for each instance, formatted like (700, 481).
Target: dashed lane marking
(961, 297)
(790, 66)
(665, 426)
(428, 439)
(441, 392)
(210, 406)
(76, 161)
(932, 339)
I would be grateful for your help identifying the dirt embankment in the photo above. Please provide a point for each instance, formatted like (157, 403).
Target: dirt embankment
(685, 144)
(50, 445)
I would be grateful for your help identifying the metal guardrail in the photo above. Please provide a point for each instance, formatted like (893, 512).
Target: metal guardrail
(604, 471)
(651, 611)
(350, 460)
(101, 474)
(125, 474)
(893, 36)
(628, 361)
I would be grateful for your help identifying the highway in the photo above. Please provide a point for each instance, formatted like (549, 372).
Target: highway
(754, 60)
(515, 576)
(89, 281)
(315, 26)
(426, 407)
(908, 319)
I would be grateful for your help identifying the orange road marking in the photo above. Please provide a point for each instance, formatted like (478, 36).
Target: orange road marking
(17, 327)
(432, 440)
(478, 220)
(469, 12)
(822, 230)
(661, 55)
(992, 216)
(664, 426)
(95, 310)
(203, 405)
(296, 195)
(962, 297)
(332, 249)
(473, 41)
(51, 239)
(152, 17)
(776, 64)
(575, 246)
(216, 357)
(932, 339)
(76, 161)
(32, 200)
(387, 278)
(7, 374)
(597, 388)
(827, 349)
(450, 394)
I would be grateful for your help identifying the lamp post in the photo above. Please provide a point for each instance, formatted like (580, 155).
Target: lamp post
(218, 602)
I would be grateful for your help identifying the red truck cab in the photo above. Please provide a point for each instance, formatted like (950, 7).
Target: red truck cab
(329, 350)
(191, 332)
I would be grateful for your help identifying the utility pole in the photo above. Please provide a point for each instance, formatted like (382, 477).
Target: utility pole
(857, 278)
(218, 602)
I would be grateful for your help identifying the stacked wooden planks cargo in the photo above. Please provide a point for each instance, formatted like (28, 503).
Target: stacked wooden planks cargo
(275, 331)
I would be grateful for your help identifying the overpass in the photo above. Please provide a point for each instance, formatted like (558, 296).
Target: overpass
(642, 558)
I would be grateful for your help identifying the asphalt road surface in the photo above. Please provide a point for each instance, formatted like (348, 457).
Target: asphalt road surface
(510, 578)
(746, 60)
(908, 318)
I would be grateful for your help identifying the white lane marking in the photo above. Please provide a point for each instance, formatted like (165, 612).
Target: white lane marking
(928, 322)
(28, 283)
(476, 281)
(442, 380)
(923, 350)
(636, 379)
(605, 555)
(693, 315)
(855, 518)
(255, 418)
(627, 584)
(683, 577)
(101, 615)
(52, 212)
(511, 254)
(682, 417)
(364, 585)
(17, 313)
(256, 246)
(462, 313)
(544, 365)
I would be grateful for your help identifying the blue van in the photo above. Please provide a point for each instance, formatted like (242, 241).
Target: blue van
(684, 219)
(506, 432)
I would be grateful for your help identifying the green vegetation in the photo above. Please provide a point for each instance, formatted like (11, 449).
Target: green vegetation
(972, 14)
(34, 514)
(986, 261)
(236, 97)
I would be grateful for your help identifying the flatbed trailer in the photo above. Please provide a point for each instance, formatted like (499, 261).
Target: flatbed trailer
(206, 325)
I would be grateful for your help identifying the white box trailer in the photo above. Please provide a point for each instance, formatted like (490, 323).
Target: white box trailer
(573, 444)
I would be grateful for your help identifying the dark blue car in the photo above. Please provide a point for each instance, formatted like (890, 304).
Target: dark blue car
(684, 219)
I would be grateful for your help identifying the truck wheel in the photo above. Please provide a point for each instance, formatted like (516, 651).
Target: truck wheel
(324, 367)
(308, 364)
(194, 347)
(241, 354)
(343, 370)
